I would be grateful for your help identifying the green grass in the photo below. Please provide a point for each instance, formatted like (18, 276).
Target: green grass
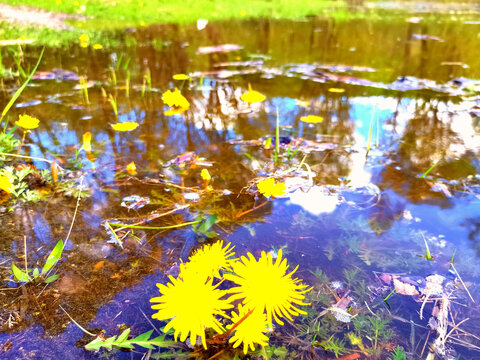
(139, 12)
(106, 15)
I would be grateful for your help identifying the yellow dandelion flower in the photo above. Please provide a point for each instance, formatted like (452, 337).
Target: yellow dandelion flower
(209, 260)
(27, 122)
(252, 96)
(205, 175)
(5, 184)
(131, 168)
(180, 77)
(97, 46)
(251, 330)
(191, 304)
(175, 99)
(311, 119)
(87, 141)
(266, 286)
(268, 187)
(125, 126)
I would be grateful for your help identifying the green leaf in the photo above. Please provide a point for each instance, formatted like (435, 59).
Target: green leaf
(206, 225)
(53, 258)
(51, 278)
(36, 272)
(123, 336)
(19, 274)
(19, 91)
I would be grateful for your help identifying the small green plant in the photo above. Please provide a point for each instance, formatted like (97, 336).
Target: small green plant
(84, 88)
(427, 255)
(123, 342)
(335, 346)
(35, 274)
(19, 187)
(398, 354)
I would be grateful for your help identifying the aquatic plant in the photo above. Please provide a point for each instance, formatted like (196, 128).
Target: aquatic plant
(35, 274)
(398, 354)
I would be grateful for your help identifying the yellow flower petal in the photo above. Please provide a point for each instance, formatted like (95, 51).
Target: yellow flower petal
(252, 96)
(27, 122)
(175, 99)
(5, 184)
(131, 168)
(205, 175)
(268, 187)
(181, 77)
(87, 138)
(312, 119)
(125, 126)
(97, 46)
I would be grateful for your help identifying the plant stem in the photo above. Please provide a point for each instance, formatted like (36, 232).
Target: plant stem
(156, 227)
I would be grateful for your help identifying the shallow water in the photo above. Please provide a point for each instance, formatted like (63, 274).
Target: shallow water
(355, 215)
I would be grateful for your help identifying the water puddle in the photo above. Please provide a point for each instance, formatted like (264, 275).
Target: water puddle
(376, 194)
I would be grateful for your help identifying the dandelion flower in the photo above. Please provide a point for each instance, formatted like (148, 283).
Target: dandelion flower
(209, 260)
(125, 126)
(268, 187)
(311, 119)
(175, 99)
(97, 46)
(265, 285)
(251, 330)
(252, 96)
(191, 304)
(5, 184)
(27, 122)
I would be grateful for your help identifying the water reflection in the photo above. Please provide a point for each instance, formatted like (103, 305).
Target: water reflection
(362, 208)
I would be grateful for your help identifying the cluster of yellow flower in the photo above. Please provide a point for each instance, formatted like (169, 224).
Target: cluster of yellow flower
(264, 289)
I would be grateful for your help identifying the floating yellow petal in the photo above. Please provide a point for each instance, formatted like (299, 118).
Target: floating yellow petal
(175, 99)
(268, 187)
(125, 126)
(205, 175)
(266, 286)
(336, 90)
(97, 46)
(131, 168)
(27, 122)
(209, 260)
(312, 119)
(5, 184)
(252, 96)
(191, 304)
(87, 138)
(251, 330)
(180, 77)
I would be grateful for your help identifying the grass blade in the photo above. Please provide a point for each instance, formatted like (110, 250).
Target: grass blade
(53, 257)
(19, 91)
